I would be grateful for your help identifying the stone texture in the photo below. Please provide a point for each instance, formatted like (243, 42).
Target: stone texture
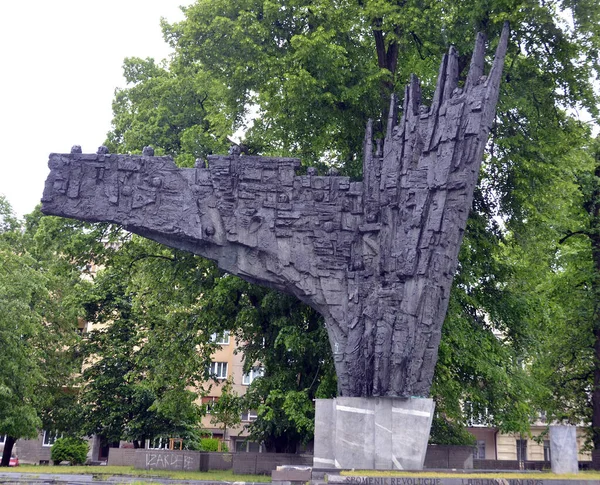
(324, 456)
(376, 258)
(372, 433)
(563, 449)
(431, 479)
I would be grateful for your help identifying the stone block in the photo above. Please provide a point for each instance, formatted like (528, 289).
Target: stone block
(372, 433)
(324, 434)
(563, 449)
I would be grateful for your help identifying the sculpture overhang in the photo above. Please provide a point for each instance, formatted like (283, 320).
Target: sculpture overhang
(376, 258)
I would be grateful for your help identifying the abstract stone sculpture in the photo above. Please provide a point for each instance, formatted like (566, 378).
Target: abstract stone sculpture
(376, 258)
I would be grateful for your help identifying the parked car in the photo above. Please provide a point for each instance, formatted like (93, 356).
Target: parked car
(14, 461)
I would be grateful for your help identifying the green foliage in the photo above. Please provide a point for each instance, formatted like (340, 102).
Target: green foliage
(226, 412)
(38, 318)
(567, 357)
(289, 341)
(444, 432)
(73, 450)
(21, 289)
(315, 72)
(212, 444)
(144, 359)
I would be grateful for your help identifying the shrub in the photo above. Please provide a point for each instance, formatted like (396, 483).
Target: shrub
(212, 444)
(73, 450)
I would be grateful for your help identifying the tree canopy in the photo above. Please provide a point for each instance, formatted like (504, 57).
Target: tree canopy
(522, 330)
(312, 73)
(38, 322)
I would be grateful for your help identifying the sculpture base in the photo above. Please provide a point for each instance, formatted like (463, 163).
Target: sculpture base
(563, 449)
(376, 433)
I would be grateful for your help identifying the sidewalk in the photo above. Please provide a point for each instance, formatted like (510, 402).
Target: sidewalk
(101, 479)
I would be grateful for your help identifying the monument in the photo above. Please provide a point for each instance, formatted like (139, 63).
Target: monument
(376, 258)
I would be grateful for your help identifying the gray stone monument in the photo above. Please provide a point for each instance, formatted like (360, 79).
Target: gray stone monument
(563, 449)
(376, 258)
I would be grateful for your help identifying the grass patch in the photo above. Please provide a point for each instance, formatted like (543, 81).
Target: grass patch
(108, 471)
(583, 475)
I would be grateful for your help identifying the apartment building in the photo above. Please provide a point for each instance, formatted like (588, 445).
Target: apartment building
(229, 364)
(492, 444)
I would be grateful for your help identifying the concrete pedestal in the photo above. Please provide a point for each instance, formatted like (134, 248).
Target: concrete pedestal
(372, 433)
(563, 449)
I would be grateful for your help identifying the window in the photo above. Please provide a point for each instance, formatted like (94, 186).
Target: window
(209, 401)
(50, 437)
(479, 450)
(2, 439)
(547, 450)
(243, 446)
(521, 450)
(158, 444)
(220, 338)
(253, 374)
(475, 414)
(249, 415)
(218, 370)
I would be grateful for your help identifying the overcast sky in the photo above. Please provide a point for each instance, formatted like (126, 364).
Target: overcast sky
(61, 62)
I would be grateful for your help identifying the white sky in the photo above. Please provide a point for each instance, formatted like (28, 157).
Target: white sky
(61, 61)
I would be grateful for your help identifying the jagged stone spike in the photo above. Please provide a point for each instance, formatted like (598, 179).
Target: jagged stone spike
(391, 124)
(376, 258)
(392, 116)
(439, 87)
(451, 80)
(368, 147)
(493, 79)
(414, 88)
(405, 104)
(477, 61)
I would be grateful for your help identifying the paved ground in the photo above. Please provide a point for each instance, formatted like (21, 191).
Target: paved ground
(101, 479)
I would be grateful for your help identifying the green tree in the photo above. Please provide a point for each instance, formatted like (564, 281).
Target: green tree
(73, 450)
(20, 325)
(36, 321)
(568, 358)
(316, 71)
(288, 340)
(226, 411)
(142, 358)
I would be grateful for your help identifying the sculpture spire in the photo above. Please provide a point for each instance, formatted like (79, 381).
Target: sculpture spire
(376, 258)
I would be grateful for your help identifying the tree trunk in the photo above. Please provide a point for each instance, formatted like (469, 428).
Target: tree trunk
(596, 392)
(8, 447)
(594, 212)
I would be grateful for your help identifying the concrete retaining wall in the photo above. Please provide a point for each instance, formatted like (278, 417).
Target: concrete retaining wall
(241, 463)
(167, 460)
(121, 457)
(265, 463)
(449, 457)
(216, 461)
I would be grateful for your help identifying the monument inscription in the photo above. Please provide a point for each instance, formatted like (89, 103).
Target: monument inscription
(376, 258)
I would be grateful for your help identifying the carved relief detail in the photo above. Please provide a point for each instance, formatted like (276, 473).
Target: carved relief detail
(375, 258)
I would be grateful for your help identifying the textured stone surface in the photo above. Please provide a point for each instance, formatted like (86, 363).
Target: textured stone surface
(431, 479)
(372, 433)
(563, 449)
(376, 258)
